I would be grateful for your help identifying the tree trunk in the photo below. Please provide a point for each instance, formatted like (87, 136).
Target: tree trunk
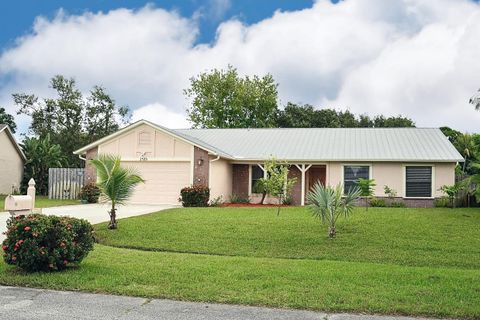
(264, 194)
(113, 218)
(332, 232)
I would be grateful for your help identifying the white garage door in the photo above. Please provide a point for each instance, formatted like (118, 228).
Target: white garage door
(163, 181)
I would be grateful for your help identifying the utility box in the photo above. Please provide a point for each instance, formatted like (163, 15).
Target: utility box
(18, 204)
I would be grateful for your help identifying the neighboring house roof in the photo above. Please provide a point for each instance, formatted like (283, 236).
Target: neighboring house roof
(314, 144)
(331, 144)
(4, 127)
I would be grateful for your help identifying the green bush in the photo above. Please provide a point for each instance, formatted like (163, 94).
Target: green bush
(375, 202)
(46, 243)
(195, 196)
(397, 204)
(90, 193)
(236, 198)
(442, 202)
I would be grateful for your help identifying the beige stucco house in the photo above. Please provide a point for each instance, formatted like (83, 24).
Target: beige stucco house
(12, 160)
(415, 162)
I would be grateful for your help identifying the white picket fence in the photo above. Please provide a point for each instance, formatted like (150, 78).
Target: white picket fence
(65, 183)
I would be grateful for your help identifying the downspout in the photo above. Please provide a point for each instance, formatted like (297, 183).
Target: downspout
(210, 168)
(81, 158)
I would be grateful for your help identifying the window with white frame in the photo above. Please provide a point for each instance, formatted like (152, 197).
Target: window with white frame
(352, 173)
(257, 174)
(418, 181)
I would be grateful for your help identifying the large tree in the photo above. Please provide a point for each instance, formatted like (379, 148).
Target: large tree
(71, 119)
(223, 99)
(6, 118)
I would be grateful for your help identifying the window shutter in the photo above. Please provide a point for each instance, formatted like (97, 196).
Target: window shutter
(419, 182)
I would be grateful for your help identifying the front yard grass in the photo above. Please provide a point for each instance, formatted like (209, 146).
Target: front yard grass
(390, 261)
(43, 202)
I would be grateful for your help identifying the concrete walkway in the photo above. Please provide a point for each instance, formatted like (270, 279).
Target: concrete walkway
(25, 303)
(95, 213)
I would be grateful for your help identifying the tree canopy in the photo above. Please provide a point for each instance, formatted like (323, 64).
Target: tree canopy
(6, 118)
(223, 99)
(306, 116)
(71, 119)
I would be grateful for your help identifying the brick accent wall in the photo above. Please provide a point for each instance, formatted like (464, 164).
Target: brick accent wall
(240, 179)
(200, 172)
(297, 187)
(90, 173)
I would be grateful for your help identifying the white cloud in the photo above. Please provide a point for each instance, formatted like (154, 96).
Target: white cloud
(160, 114)
(417, 58)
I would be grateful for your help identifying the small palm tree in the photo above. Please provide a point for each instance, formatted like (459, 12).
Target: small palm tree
(116, 183)
(329, 203)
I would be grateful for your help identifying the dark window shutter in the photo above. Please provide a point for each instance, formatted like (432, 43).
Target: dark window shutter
(419, 182)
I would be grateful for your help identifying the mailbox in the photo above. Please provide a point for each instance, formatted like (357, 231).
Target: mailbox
(19, 204)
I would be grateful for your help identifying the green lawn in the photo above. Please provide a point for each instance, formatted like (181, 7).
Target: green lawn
(411, 237)
(389, 261)
(43, 202)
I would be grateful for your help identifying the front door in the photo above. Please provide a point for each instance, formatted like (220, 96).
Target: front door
(316, 173)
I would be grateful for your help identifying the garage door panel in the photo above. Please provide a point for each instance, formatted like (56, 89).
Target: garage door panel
(163, 181)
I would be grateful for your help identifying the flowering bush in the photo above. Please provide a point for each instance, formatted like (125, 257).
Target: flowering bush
(195, 196)
(90, 193)
(46, 243)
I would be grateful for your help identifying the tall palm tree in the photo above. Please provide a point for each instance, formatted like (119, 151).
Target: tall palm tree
(330, 203)
(116, 183)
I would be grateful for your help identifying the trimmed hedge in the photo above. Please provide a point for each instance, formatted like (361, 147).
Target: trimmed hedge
(195, 196)
(46, 243)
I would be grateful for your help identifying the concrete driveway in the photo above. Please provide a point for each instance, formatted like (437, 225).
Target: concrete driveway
(95, 213)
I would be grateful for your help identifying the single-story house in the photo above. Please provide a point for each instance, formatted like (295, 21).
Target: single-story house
(12, 161)
(415, 162)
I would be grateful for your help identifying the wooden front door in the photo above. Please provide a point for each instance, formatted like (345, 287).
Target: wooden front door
(316, 173)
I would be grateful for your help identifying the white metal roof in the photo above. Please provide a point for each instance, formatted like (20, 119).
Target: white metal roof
(329, 144)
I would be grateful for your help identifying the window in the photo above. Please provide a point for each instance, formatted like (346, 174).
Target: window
(257, 174)
(351, 174)
(418, 181)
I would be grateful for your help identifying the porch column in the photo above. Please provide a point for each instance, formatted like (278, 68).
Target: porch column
(303, 169)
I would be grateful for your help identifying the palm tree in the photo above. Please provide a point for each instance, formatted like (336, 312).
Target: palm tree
(116, 183)
(330, 203)
(465, 145)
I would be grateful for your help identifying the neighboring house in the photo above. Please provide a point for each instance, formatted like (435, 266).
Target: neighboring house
(415, 162)
(12, 160)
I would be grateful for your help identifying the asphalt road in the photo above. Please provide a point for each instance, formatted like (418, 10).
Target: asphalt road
(24, 303)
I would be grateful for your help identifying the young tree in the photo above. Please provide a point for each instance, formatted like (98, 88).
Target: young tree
(452, 192)
(6, 118)
(366, 187)
(41, 154)
(276, 183)
(116, 183)
(330, 203)
(70, 119)
(223, 99)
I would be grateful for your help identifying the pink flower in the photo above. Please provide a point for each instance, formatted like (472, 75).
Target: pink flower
(27, 228)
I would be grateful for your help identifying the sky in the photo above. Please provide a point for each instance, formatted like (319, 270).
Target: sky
(417, 58)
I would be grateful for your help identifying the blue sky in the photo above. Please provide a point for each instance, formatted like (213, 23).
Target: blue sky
(414, 58)
(16, 17)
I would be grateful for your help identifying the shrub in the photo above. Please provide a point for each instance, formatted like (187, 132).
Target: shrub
(442, 202)
(195, 196)
(236, 198)
(46, 243)
(397, 204)
(217, 202)
(375, 202)
(90, 193)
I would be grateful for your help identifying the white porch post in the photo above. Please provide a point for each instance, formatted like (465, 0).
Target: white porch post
(303, 169)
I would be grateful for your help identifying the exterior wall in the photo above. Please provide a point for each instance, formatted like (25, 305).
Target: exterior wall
(444, 175)
(201, 167)
(221, 176)
(90, 173)
(297, 187)
(11, 165)
(152, 144)
(240, 179)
